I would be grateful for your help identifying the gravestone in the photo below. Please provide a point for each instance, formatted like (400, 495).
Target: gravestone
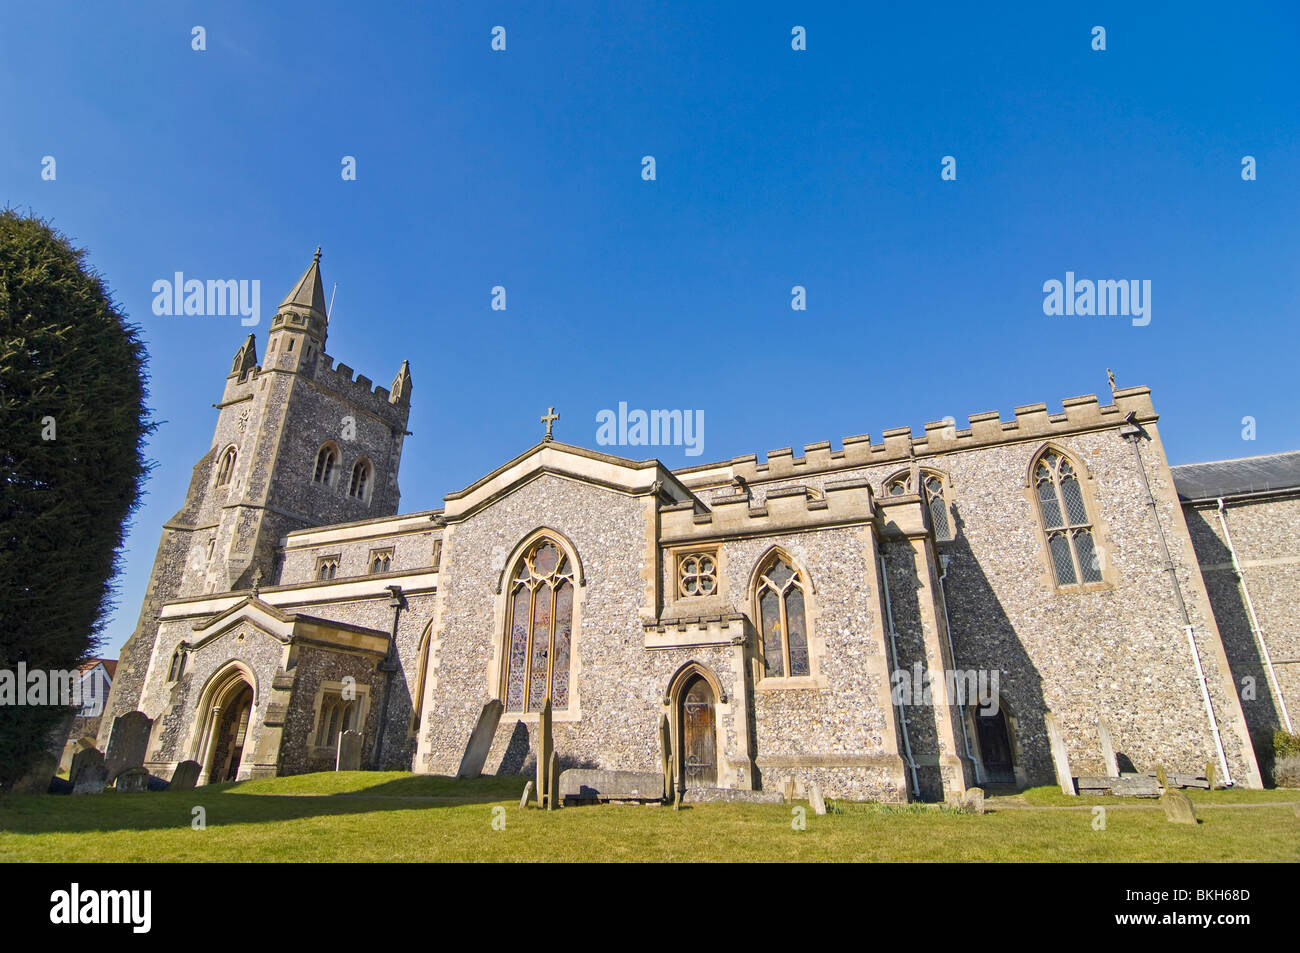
(1211, 775)
(1178, 807)
(1161, 778)
(132, 781)
(480, 741)
(1060, 760)
(545, 747)
(666, 752)
(92, 778)
(973, 802)
(593, 784)
(349, 758)
(553, 779)
(82, 760)
(528, 789)
(186, 776)
(1107, 751)
(127, 743)
(787, 789)
(816, 801)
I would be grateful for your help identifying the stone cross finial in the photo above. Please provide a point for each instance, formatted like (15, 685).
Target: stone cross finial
(549, 419)
(316, 257)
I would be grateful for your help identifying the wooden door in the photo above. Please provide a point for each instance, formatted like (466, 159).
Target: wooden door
(699, 739)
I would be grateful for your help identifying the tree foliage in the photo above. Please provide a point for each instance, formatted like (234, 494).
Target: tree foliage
(72, 429)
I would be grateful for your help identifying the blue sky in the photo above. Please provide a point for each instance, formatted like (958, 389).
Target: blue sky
(775, 168)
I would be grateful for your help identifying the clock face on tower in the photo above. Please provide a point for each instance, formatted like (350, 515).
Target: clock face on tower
(242, 422)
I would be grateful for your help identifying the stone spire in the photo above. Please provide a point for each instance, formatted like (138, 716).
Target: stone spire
(245, 358)
(309, 293)
(401, 390)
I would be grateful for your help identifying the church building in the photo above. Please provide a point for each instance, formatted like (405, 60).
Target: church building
(893, 619)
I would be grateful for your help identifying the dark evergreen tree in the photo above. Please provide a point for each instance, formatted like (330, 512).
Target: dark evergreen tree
(72, 429)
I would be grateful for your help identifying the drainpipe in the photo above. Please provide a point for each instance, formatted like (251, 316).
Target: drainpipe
(1254, 622)
(893, 645)
(952, 654)
(388, 666)
(1133, 432)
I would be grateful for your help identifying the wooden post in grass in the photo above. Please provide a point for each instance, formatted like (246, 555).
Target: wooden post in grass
(545, 748)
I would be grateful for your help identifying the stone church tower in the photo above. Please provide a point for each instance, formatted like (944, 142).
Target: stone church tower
(298, 443)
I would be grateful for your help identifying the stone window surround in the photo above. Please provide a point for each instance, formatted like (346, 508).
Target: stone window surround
(225, 471)
(814, 678)
(421, 673)
(923, 472)
(1101, 537)
(382, 551)
(332, 479)
(367, 488)
(496, 668)
(334, 688)
(675, 556)
(322, 561)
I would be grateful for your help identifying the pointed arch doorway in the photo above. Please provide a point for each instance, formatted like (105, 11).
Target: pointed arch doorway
(699, 734)
(226, 721)
(997, 755)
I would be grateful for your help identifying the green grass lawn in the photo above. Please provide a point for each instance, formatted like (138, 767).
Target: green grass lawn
(374, 816)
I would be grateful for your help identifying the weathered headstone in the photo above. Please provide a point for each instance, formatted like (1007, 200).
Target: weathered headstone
(349, 758)
(127, 743)
(545, 745)
(480, 740)
(553, 779)
(787, 789)
(973, 802)
(1178, 807)
(83, 759)
(1161, 778)
(1212, 774)
(185, 776)
(815, 799)
(132, 781)
(1107, 751)
(1060, 760)
(528, 790)
(91, 779)
(666, 753)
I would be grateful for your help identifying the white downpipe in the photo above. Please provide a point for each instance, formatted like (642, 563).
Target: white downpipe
(893, 648)
(952, 654)
(1254, 622)
(1209, 708)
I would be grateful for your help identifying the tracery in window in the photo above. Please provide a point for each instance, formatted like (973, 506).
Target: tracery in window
(697, 574)
(1065, 519)
(782, 619)
(539, 629)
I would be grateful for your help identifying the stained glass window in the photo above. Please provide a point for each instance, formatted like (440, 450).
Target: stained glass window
(783, 620)
(1065, 518)
(539, 629)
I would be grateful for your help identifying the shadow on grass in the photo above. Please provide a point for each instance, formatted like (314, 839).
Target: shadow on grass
(251, 802)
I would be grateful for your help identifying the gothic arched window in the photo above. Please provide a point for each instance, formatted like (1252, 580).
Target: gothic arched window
(539, 629)
(360, 482)
(932, 491)
(782, 619)
(327, 459)
(417, 708)
(226, 468)
(1066, 523)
